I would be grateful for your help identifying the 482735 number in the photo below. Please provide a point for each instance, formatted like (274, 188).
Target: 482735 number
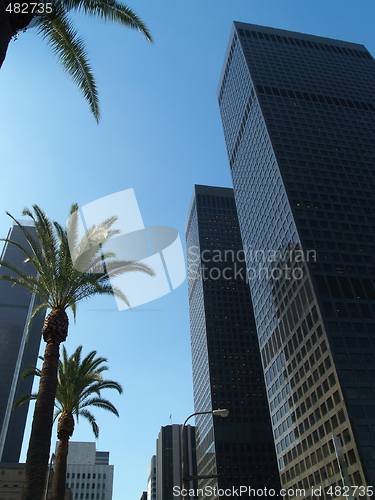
(29, 8)
(360, 491)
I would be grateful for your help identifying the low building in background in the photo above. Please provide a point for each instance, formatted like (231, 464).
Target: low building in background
(11, 482)
(88, 473)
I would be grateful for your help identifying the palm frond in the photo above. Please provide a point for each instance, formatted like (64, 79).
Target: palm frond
(110, 10)
(90, 417)
(24, 399)
(59, 33)
(31, 370)
(101, 403)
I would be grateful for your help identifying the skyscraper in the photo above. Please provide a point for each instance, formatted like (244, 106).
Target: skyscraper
(227, 369)
(169, 461)
(18, 348)
(298, 115)
(151, 479)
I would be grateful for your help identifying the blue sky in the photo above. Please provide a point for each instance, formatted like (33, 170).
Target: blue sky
(160, 134)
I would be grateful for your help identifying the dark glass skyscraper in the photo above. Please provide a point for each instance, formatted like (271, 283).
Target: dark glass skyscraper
(18, 348)
(227, 369)
(168, 461)
(298, 114)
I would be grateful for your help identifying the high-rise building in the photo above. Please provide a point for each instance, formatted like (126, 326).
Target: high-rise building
(88, 473)
(151, 479)
(227, 369)
(169, 461)
(18, 347)
(298, 115)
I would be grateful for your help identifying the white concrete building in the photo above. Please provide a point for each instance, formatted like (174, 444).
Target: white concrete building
(88, 473)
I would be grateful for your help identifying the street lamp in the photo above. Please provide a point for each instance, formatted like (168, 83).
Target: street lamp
(53, 459)
(186, 478)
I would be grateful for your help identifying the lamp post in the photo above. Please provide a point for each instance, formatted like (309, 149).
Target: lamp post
(185, 477)
(53, 458)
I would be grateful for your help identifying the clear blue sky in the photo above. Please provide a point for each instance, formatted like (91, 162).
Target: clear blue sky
(160, 134)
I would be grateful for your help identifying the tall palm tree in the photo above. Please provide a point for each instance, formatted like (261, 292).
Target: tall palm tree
(79, 386)
(50, 18)
(60, 286)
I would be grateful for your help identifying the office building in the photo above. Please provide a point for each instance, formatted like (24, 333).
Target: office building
(11, 482)
(151, 479)
(298, 114)
(169, 461)
(227, 369)
(88, 473)
(18, 348)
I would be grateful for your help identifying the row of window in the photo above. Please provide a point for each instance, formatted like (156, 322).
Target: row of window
(82, 496)
(230, 55)
(242, 127)
(348, 288)
(82, 485)
(316, 98)
(324, 430)
(348, 310)
(300, 42)
(315, 457)
(73, 475)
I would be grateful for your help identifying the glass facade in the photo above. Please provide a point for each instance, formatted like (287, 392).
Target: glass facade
(298, 115)
(18, 348)
(169, 447)
(227, 369)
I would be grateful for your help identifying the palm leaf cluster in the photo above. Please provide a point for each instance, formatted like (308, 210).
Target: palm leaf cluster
(79, 386)
(57, 29)
(69, 269)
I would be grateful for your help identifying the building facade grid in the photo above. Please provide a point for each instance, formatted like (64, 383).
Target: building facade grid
(298, 119)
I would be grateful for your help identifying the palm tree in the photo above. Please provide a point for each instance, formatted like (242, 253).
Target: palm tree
(60, 286)
(78, 386)
(50, 17)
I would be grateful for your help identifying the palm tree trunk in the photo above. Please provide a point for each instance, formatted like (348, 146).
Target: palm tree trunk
(6, 31)
(11, 23)
(65, 430)
(54, 332)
